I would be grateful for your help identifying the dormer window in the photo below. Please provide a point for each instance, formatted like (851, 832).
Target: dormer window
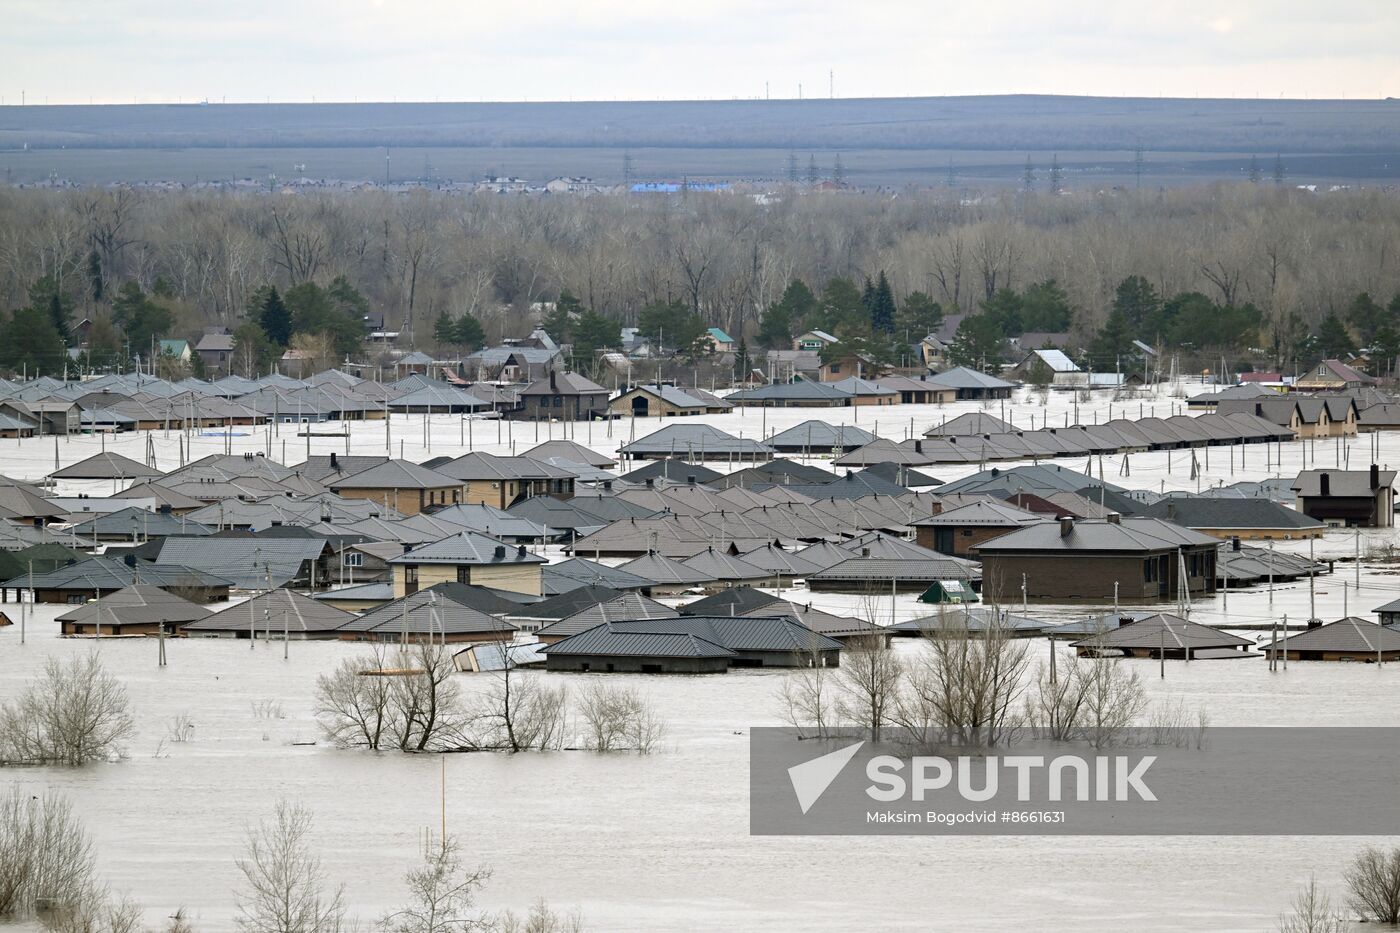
(1322, 370)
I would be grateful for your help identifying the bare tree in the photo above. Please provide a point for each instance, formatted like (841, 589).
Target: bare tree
(76, 713)
(1113, 700)
(353, 704)
(1373, 882)
(540, 919)
(867, 683)
(442, 894)
(46, 857)
(284, 885)
(968, 681)
(808, 699)
(1313, 913)
(618, 719)
(518, 712)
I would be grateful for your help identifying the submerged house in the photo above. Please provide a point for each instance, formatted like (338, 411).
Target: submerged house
(1349, 498)
(1126, 558)
(693, 645)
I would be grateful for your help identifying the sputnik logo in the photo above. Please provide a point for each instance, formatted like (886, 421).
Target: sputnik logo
(811, 778)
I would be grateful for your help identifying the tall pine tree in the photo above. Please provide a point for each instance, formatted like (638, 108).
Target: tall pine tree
(882, 308)
(273, 316)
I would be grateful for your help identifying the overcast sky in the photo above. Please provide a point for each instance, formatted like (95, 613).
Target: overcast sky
(73, 51)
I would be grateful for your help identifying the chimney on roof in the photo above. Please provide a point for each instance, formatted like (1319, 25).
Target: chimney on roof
(1314, 623)
(865, 552)
(918, 447)
(1171, 510)
(335, 464)
(690, 479)
(651, 483)
(1375, 477)
(500, 552)
(1114, 518)
(520, 551)
(1066, 525)
(129, 560)
(1235, 543)
(1324, 483)
(607, 484)
(163, 509)
(553, 382)
(1259, 409)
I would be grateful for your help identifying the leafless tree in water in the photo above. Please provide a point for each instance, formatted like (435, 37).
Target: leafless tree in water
(74, 714)
(284, 886)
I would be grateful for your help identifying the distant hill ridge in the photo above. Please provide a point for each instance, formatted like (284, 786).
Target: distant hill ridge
(1011, 122)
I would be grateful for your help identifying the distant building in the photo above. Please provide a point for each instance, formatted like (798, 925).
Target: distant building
(563, 396)
(1332, 374)
(216, 352)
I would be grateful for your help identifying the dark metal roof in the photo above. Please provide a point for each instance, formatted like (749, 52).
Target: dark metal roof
(427, 612)
(614, 641)
(469, 547)
(1349, 634)
(674, 469)
(1132, 535)
(1165, 630)
(141, 603)
(105, 465)
(1342, 483)
(280, 609)
(1229, 513)
(395, 474)
(104, 573)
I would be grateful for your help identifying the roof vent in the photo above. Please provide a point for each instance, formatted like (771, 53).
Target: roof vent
(520, 551)
(1114, 518)
(1066, 525)
(500, 552)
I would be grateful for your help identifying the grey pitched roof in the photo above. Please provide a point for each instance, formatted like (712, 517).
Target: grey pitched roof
(685, 439)
(664, 570)
(439, 396)
(717, 565)
(1217, 512)
(1129, 534)
(576, 572)
(484, 466)
(106, 573)
(804, 390)
(105, 465)
(1342, 483)
(134, 605)
(777, 561)
(321, 468)
(1349, 634)
(987, 513)
(428, 612)
(960, 377)
(972, 618)
(625, 607)
(555, 513)
(673, 469)
(739, 633)
(780, 472)
(1163, 629)
(875, 569)
(469, 547)
(250, 562)
(496, 522)
(280, 610)
(611, 641)
(562, 605)
(395, 474)
(820, 434)
(670, 394)
(1035, 478)
(570, 450)
(973, 422)
(564, 384)
(883, 450)
(139, 522)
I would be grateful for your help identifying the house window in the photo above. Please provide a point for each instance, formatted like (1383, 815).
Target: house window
(1322, 370)
(464, 574)
(354, 559)
(835, 368)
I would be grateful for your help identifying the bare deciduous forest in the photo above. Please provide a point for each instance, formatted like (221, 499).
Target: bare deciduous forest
(415, 255)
